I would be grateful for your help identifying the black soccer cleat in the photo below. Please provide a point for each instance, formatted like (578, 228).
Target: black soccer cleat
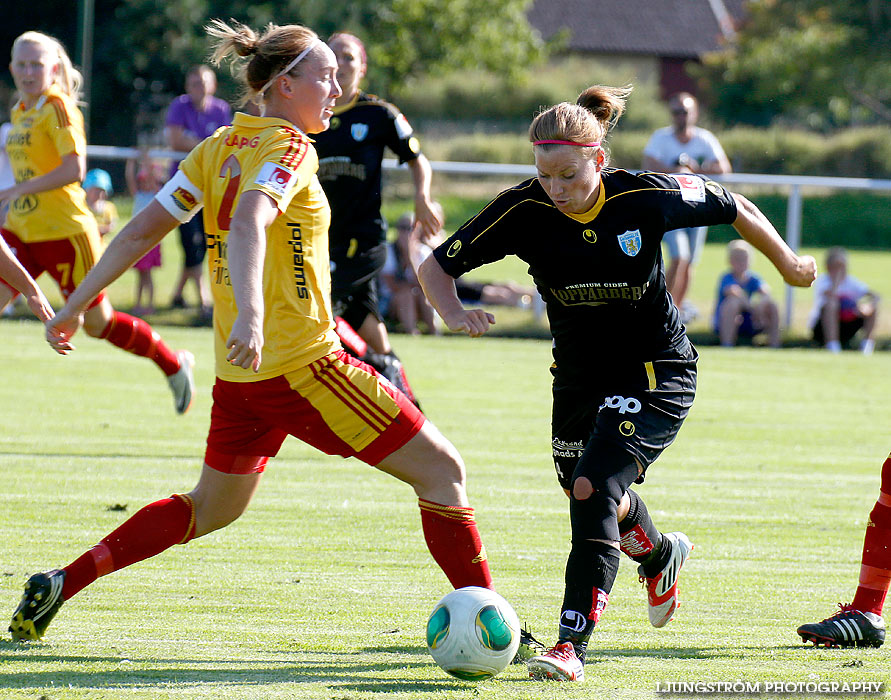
(847, 628)
(39, 605)
(529, 647)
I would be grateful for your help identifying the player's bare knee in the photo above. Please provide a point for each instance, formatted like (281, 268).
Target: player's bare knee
(582, 488)
(93, 330)
(624, 507)
(449, 467)
(446, 464)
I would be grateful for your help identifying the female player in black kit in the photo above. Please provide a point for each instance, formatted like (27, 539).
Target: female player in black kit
(350, 155)
(624, 370)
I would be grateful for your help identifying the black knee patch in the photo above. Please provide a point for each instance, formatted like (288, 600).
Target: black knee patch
(611, 470)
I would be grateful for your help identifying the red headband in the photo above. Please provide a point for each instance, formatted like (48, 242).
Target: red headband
(566, 143)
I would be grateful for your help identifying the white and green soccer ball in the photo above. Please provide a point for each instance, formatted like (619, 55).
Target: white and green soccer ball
(473, 633)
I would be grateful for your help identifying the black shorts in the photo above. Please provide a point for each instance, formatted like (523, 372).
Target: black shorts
(191, 235)
(354, 285)
(640, 409)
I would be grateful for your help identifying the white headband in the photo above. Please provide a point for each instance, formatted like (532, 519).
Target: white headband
(300, 56)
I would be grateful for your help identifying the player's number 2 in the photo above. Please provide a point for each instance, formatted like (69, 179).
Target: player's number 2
(232, 169)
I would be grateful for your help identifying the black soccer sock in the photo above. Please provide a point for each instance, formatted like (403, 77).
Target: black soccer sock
(639, 537)
(590, 574)
(658, 559)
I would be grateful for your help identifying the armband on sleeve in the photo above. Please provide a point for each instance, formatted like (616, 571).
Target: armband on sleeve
(180, 197)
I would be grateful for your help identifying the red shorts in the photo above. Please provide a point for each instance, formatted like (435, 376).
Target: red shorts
(66, 260)
(337, 404)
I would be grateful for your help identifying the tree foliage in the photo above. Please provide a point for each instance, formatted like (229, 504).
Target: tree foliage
(816, 63)
(142, 48)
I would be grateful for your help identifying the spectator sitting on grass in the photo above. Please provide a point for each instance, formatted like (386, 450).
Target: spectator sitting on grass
(744, 307)
(843, 305)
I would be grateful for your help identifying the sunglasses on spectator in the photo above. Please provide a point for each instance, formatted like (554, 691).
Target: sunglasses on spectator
(679, 111)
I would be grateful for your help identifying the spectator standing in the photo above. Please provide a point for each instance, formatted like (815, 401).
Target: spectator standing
(744, 306)
(843, 305)
(144, 178)
(684, 147)
(191, 118)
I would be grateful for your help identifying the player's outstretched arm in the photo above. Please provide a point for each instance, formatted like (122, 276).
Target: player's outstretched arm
(141, 234)
(440, 290)
(754, 227)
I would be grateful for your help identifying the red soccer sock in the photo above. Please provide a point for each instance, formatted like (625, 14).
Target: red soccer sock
(135, 335)
(454, 542)
(150, 531)
(875, 567)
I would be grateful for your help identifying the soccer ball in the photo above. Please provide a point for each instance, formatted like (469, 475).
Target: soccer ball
(473, 633)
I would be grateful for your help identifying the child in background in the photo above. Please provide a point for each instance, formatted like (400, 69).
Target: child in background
(97, 185)
(843, 306)
(145, 177)
(744, 306)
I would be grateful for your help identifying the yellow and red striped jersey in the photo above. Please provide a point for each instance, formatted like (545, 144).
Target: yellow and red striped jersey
(37, 142)
(274, 157)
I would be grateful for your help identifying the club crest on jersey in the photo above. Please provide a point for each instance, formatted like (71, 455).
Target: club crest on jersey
(629, 242)
(276, 177)
(692, 188)
(714, 188)
(359, 131)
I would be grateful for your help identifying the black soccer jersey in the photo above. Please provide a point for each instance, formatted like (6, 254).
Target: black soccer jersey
(350, 154)
(600, 273)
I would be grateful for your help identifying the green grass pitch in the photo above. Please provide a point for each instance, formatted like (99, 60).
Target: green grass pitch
(322, 589)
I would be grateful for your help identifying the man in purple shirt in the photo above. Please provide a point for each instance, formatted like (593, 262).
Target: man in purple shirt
(191, 118)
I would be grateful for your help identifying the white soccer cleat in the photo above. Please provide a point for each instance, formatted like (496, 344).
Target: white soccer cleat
(182, 384)
(558, 664)
(662, 589)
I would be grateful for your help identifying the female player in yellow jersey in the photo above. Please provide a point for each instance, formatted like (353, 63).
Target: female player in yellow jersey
(49, 226)
(280, 368)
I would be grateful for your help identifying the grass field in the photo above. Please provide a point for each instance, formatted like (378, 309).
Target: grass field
(321, 590)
